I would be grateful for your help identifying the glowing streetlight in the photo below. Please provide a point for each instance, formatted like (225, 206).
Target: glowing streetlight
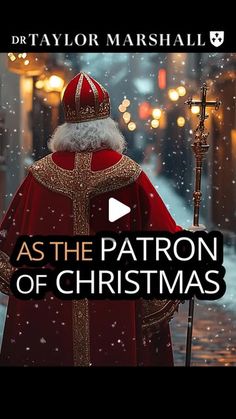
(155, 123)
(126, 103)
(25, 63)
(181, 90)
(126, 117)
(156, 113)
(54, 84)
(173, 95)
(122, 108)
(132, 126)
(195, 110)
(180, 121)
(39, 84)
(11, 56)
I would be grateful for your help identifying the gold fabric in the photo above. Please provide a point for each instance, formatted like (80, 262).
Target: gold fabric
(155, 312)
(6, 271)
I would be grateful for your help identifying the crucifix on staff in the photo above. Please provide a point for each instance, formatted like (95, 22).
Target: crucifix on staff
(200, 147)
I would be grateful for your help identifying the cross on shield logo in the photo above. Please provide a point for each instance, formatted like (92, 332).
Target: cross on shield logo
(217, 38)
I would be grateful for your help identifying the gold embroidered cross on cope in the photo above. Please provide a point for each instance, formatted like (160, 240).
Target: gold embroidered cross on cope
(80, 185)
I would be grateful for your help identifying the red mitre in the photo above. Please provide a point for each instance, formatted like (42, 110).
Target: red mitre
(85, 99)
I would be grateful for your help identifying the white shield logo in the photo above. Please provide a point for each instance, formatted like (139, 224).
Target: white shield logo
(217, 38)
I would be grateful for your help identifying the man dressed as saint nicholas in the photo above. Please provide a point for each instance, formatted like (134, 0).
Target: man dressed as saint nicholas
(67, 193)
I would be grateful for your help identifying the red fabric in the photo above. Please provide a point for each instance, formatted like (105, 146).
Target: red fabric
(90, 95)
(40, 332)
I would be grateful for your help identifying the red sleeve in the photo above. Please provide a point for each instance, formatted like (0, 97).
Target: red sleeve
(11, 226)
(155, 215)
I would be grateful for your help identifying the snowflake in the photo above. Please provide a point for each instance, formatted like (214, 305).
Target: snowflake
(3, 233)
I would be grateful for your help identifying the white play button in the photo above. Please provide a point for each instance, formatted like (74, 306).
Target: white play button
(117, 209)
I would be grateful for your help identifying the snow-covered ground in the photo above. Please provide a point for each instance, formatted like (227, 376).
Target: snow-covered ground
(183, 216)
(2, 320)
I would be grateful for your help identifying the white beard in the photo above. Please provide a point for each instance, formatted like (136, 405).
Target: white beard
(92, 135)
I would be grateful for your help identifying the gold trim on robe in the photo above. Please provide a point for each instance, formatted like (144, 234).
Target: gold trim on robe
(80, 185)
(156, 311)
(6, 271)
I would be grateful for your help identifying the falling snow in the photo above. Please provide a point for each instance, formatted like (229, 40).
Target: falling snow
(167, 155)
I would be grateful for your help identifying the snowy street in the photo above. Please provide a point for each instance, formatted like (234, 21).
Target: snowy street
(214, 336)
(215, 322)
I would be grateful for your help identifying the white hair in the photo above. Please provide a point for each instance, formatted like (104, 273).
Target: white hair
(92, 135)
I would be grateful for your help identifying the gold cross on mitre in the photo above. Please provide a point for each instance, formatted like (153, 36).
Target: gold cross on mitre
(203, 103)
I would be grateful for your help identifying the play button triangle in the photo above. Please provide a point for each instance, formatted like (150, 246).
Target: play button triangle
(117, 209)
